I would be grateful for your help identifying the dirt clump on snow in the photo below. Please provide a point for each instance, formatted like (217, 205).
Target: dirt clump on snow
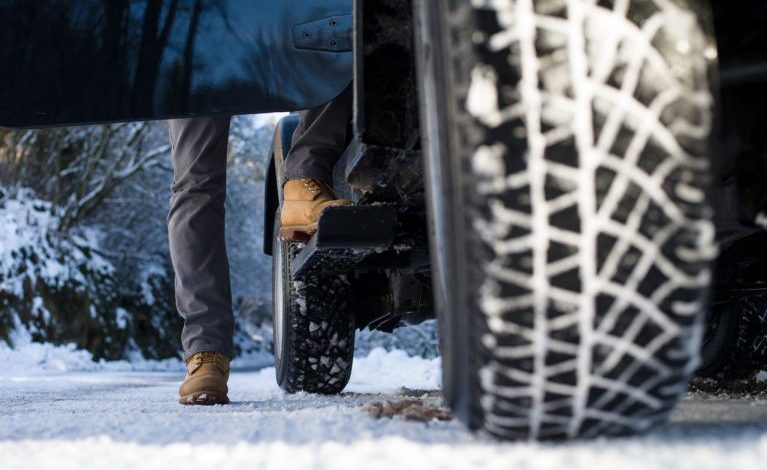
(410, 410)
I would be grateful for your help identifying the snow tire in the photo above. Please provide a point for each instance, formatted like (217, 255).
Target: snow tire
(567, 166)
(313, 327)
(735, 343)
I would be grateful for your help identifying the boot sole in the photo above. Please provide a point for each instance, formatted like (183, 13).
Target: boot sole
(204, 399)
(297, 233)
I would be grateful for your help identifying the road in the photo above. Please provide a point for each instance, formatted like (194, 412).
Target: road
(102, 419)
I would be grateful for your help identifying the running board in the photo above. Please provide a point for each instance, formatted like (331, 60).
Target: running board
(346, 235)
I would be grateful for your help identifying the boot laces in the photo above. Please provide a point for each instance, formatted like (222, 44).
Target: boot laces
(207, 357)
(317, 186)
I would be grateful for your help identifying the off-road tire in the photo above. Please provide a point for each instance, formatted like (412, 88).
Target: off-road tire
(735, 342)
(313, 326)
(567, 173)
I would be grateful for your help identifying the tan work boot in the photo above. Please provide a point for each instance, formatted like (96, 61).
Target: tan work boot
(304, 201)
(205, 381)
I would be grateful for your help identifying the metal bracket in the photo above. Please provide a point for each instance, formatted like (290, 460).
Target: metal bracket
(330, 34)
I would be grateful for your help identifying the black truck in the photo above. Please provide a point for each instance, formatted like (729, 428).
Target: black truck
(568, 185)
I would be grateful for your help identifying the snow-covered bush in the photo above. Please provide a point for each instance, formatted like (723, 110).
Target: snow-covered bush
(104, 190)
(52, 284)
(58, 287)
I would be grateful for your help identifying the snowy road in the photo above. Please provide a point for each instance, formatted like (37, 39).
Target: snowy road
(130, 420)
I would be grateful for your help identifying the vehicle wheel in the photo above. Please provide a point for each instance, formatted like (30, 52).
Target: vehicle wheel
(313, 326)
(571, 231)
(735, 342)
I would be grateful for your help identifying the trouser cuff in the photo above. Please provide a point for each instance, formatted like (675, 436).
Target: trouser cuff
(208, 347)
(307, 174)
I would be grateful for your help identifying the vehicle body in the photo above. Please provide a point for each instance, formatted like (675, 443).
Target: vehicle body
(436, 171)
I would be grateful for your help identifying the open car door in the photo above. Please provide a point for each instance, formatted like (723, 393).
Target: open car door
(89, 61)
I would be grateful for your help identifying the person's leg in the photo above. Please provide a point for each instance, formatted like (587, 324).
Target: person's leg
(196, 234)
(319, 140)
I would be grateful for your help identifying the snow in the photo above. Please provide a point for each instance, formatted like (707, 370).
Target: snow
(26, 224)
(62, 412)
(482, 99)
(400, 370)
(27, 357)
(416, 340)
(266, 119)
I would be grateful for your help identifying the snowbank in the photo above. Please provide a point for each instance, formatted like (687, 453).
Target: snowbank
(28, 358)
(383, 370)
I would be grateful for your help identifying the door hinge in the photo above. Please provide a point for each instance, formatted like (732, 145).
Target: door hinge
(331, 34)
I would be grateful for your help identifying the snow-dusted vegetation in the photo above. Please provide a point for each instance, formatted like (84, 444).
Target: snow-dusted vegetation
(54, 285)
(83, 241)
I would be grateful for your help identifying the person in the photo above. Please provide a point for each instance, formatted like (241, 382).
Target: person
(196, 228)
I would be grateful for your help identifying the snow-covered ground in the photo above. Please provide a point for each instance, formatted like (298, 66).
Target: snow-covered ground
(112, 417)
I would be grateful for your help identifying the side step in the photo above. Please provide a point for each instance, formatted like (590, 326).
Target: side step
(345, 237)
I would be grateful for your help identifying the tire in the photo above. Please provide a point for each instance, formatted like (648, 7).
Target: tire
(313, 326)
(570, 273)
(735, 342)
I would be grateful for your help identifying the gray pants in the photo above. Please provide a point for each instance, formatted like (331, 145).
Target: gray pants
(320, 137)
(196, 234)
(196, 217)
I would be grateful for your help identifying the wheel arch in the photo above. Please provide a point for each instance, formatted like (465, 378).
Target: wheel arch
(281, 141)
